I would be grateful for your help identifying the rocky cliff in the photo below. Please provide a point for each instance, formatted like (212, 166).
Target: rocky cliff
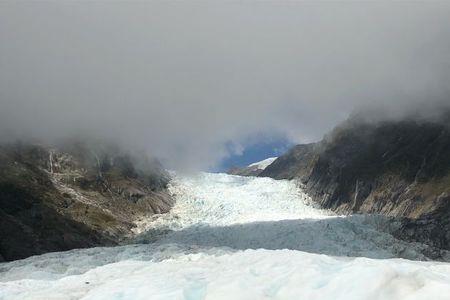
(396, 168)
(74, 195)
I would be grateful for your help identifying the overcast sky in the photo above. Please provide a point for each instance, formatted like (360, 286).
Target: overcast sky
(185, 80)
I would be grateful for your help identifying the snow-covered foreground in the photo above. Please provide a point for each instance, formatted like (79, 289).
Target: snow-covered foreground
(230, 237)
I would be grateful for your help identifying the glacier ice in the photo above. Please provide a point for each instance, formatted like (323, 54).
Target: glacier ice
(231, 237)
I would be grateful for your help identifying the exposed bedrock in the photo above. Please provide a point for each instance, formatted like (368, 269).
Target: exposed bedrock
(74, 195)
(395, 168)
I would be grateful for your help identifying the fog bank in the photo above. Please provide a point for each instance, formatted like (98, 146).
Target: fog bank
(183, 80)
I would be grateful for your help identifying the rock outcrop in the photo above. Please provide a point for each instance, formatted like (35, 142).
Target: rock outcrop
(73, 196)
(396, 168)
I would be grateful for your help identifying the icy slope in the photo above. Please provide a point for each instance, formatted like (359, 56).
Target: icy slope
(251, 274)
(253, 169)
(264, 163)
(221, 199)
(224, 239)
(219, 210)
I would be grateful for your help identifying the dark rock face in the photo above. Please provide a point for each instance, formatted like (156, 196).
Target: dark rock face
(399, 169)
(296, 163)
(73, 196)
(431, 229)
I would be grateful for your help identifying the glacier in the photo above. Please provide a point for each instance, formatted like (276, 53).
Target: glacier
(232, 237)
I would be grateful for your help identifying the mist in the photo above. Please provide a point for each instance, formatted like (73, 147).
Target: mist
(184, 80)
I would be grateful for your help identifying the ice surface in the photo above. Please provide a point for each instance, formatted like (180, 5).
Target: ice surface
(231, 237)
(264, 163)
(250, 274)
(221, 199)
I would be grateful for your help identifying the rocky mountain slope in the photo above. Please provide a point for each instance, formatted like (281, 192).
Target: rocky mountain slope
(396, 168)
(74, 195)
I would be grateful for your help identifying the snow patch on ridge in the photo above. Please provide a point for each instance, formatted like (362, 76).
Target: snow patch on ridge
(261, 165)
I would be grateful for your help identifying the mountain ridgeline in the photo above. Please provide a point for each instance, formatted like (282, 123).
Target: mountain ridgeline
(74, 195)
(395, 168)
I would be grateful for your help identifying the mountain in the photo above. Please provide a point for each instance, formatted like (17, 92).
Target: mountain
(74, 195)
(253, 169)
(395, 168)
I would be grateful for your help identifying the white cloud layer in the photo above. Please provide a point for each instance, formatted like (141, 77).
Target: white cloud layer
(181, 79)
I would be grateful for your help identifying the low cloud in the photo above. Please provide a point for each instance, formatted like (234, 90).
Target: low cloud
(184, 80)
